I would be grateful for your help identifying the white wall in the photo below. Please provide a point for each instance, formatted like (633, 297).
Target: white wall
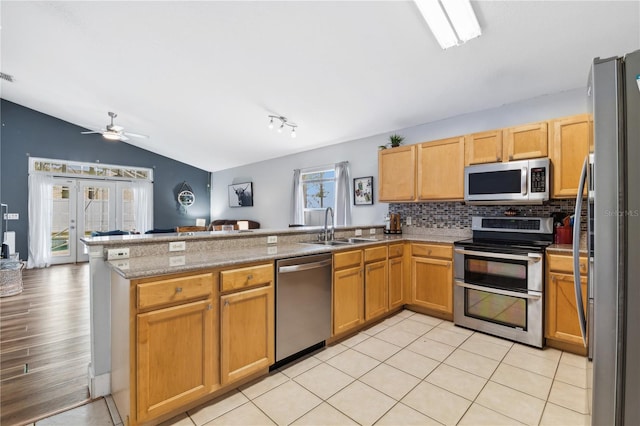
(272, 179)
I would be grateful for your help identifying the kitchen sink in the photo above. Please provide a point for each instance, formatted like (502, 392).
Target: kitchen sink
(328, 243)
(342, 241)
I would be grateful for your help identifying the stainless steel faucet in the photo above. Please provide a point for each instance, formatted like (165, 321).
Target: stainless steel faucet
(328, 236)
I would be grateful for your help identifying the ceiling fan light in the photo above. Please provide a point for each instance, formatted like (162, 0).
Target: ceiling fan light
(293, 132)
(111, 136)
(270, 126)
(281, 127)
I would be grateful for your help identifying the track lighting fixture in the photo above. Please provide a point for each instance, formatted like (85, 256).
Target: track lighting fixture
(283, 122)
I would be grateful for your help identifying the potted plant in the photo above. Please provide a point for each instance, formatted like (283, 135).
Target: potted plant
(395, 140)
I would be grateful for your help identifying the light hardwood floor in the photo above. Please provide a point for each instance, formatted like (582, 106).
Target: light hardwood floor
(45, 344)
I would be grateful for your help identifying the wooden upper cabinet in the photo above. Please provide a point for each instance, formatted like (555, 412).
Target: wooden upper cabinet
(571, 141)
(441, 169)
(484, 147)
(397, 174)
(528, 141)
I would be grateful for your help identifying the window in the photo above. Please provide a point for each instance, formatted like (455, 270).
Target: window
(319, 189)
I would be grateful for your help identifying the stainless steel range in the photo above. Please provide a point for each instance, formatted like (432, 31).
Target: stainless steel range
(499, 277)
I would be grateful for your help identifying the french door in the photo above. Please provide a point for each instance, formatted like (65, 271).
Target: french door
(81, 206)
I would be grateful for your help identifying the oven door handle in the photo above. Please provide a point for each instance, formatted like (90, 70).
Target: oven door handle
(529, 295)
(530, 257)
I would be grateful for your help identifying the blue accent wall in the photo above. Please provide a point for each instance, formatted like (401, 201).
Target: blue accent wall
(26, 132)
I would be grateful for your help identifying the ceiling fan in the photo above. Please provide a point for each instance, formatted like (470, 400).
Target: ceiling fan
(113, 132)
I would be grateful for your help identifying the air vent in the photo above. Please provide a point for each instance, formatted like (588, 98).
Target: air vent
(6, 77)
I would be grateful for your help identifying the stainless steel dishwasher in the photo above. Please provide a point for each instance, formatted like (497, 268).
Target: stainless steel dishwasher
(303, 303)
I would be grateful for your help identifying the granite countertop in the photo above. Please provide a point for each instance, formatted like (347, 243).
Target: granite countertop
(146, 266)
(565, 249)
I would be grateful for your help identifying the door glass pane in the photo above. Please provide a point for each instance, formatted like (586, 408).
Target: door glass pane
(60, 222)
(496, 308)
(128, 210)
(506, 274)
(96, 209)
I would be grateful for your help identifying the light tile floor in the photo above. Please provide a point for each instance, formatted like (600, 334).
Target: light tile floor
(410, 369)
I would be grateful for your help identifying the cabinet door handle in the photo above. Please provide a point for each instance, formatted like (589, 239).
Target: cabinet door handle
(209, 307)
(249, 277)
(178, 289)
(511, 158)
(226, 303)
(429, 253)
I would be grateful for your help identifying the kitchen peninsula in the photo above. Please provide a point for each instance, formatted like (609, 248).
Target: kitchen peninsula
(140, 302)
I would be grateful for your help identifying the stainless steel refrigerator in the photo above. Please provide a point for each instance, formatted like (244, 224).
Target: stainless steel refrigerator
(611, 323)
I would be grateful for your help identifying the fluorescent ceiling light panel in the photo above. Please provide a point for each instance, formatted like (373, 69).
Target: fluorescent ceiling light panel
(462, 18)
(453, 25)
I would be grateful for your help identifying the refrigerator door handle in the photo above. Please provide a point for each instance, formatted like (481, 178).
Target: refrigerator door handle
(576, 252)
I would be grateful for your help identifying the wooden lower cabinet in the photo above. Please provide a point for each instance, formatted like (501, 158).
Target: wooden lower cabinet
(376, 298)
(247, 332)
(562, 328)
(396, 276)
(348, 300)
(432, 278)
(175, 357)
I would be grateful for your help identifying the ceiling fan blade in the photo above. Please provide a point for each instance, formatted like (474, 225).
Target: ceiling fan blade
(136, 135)
(91, 132)
(123, 138)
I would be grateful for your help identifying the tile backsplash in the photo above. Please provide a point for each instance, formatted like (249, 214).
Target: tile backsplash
(457, 215)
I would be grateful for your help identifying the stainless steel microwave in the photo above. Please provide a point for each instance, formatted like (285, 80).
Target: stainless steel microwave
(513, 182)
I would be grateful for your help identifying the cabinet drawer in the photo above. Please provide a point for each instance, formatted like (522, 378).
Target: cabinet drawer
(171, 290)
(251, 276)
(560, 263)
(396, 250)
(432, 250)
(347, 259)
(375, 253)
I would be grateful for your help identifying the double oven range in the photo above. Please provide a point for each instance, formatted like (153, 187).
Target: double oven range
(499, 277)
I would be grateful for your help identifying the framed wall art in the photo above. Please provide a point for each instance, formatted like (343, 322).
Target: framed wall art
(363, 190)
(241, 194)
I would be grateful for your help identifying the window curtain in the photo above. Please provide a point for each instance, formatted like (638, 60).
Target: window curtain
(143, 205)
(40, 211)
(343, 194)
(297, 200)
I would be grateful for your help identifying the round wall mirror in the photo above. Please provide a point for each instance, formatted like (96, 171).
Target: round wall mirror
(186, 198)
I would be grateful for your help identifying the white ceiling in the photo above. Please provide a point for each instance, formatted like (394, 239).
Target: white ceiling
(201, 77)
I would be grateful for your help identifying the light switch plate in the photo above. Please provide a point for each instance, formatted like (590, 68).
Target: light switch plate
(358, 232)
(177, 246)
(372, 231)
(272, 239)
(408, 220)
(11, 216)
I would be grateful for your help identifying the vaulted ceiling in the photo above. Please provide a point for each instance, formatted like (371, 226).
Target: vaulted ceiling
(200, 78)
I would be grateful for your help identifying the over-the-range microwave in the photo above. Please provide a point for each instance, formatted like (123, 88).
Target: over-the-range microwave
(513, 182)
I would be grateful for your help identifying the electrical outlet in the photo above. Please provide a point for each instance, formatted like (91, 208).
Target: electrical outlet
(272, 239)
(177, 246)
(119, 253)
(272, 250)
(176, 260)
(121, 264)
(408, 220)
(372, 231)
(11, 216)
(358, 232)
